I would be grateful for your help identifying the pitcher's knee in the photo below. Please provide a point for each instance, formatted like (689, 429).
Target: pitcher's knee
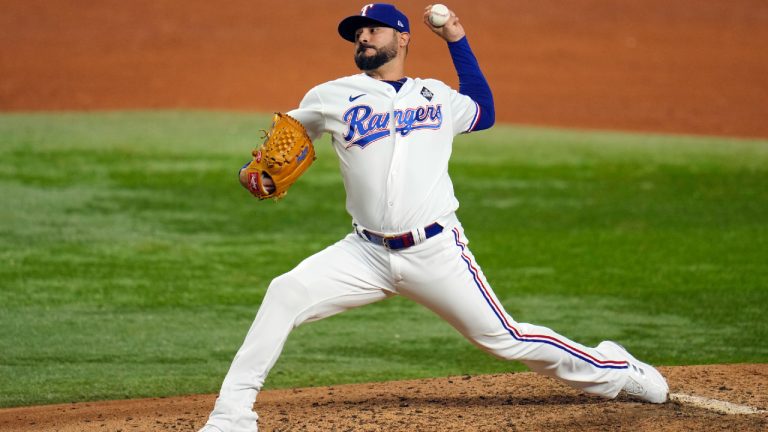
(286, 293)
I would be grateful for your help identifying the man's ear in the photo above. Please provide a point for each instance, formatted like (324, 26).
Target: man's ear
(405, 39)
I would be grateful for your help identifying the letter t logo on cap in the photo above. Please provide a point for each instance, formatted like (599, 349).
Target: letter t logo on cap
(365, 8)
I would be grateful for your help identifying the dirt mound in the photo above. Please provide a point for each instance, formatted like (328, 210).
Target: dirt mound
(685, 66)
(510, 402)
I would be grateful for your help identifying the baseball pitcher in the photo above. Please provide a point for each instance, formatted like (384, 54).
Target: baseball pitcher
(393, 136)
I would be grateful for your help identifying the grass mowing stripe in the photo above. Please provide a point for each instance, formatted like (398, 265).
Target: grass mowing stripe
(132, 263)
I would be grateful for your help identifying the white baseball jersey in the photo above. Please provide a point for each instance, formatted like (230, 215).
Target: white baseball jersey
(393, 146)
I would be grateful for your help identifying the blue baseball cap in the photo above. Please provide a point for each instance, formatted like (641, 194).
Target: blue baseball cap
(376, 14)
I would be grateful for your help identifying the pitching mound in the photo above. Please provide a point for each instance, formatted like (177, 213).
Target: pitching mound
(705, 398)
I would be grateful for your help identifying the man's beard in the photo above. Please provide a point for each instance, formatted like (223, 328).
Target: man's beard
(382, 56)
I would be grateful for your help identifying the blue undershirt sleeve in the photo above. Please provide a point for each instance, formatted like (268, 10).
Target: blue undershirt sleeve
(472, 83)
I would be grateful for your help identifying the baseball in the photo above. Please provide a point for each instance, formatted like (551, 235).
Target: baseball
(439, 14)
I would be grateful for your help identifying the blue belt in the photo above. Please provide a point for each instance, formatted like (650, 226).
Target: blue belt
(399, 241)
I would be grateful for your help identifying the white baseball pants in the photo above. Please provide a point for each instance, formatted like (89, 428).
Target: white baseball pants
(440, 274)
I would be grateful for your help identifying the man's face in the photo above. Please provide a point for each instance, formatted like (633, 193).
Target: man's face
(374, 46)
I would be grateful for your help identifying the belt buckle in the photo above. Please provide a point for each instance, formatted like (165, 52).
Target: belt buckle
(407, 240)
(385, 243)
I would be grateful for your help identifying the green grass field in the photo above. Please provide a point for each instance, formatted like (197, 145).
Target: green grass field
(132, 262)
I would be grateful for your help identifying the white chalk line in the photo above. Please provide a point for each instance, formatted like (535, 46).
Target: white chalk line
(716, 405)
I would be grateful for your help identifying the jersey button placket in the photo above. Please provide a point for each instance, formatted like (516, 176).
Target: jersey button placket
(392, 189)
(396, 151)
(390, 192)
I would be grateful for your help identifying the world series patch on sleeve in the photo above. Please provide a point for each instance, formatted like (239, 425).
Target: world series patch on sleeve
(287, 152)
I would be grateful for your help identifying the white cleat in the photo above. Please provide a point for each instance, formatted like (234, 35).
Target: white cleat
(208, 428)
(643, 380)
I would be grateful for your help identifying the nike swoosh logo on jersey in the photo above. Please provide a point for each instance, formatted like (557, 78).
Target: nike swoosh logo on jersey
(352, 99)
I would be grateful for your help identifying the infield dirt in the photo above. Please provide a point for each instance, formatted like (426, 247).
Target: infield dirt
(682, 66)
(508, 402)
